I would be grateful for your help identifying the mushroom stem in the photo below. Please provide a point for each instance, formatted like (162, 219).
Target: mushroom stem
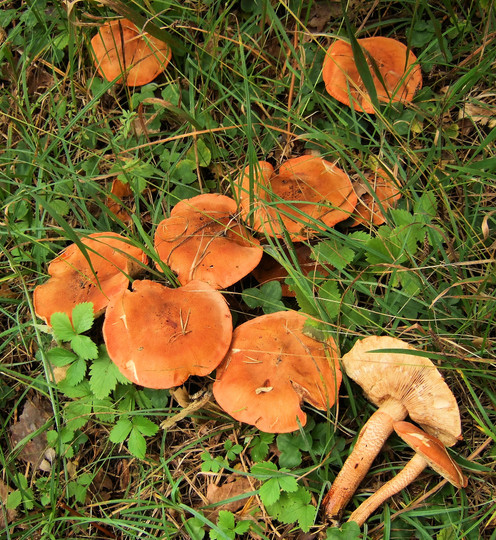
(369, 443)
(407, 475)
(429, 450)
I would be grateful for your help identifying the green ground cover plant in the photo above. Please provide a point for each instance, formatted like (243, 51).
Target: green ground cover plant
(104, 458)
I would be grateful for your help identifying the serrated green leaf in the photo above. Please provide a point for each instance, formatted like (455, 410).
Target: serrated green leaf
(145, 426)
(294, 506)
(76, 372)
(62, 327)
(259, 447)
(270, 491)
(426, 206)
(77, 413)
(58, 356)
(288, 483)
(264, 469)
(84, 347)
(333, 252)
(121, 430)
(14, 499)
(104, 375)
(242, 526)
(202, 153)
(330, 296)
(185, 171)
(306, 517)
(136, 444)
(79, 391)
(226, 520)
(83, 317)
(103, 409)
(348, 531)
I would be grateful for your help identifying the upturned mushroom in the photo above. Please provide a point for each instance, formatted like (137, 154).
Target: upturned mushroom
(272, 367)
(400, 75)
(159, 336)
(124, 53)
(95, 274)
(304, 197)
(429, 451)
(202, 239)
(401, 384)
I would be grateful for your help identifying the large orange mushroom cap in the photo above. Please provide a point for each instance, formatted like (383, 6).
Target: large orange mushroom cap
(304, 197)
(158, 336)
(203, 240)
(401, 76)
(123, 52)
(271, 368)
(95, 275)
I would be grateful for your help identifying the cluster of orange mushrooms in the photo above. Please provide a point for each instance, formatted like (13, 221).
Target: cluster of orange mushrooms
(158, 336)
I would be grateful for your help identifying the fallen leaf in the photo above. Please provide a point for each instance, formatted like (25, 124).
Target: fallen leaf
(235, 485)
(321, 14)
(9, 514)
(480, 113)
(36, 451)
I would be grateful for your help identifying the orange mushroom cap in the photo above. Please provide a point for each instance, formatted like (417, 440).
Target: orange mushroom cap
(203, 240)
(401, 76)
(368, 209)
(74, 280)
(271, 368)
(122, 52)
(304, 197)
(432, 450)
(158, 336)
(429, 450)
(121, 191)
(270, 270)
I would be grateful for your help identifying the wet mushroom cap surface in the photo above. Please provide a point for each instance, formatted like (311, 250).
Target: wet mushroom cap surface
(159, 336)
(202, 239)
(121, 50)
(410, 379)
(271, 368)
(303, 197)
(401, 76)
(95, 275)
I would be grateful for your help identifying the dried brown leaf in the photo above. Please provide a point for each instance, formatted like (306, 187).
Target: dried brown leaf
(36, 451)
(10, 514)
(235, 486)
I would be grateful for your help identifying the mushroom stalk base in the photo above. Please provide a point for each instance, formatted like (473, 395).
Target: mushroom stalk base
(407, 475)
(369, 443)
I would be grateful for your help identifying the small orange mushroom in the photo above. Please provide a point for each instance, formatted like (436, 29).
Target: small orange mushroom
(203, 240)
(271, 368)
(270, 270)
(95, 275)
(158, 336)
(120, 191)
(124, 53)
(370, 207)
(401, 75)
(429, 451)
(306, 195)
